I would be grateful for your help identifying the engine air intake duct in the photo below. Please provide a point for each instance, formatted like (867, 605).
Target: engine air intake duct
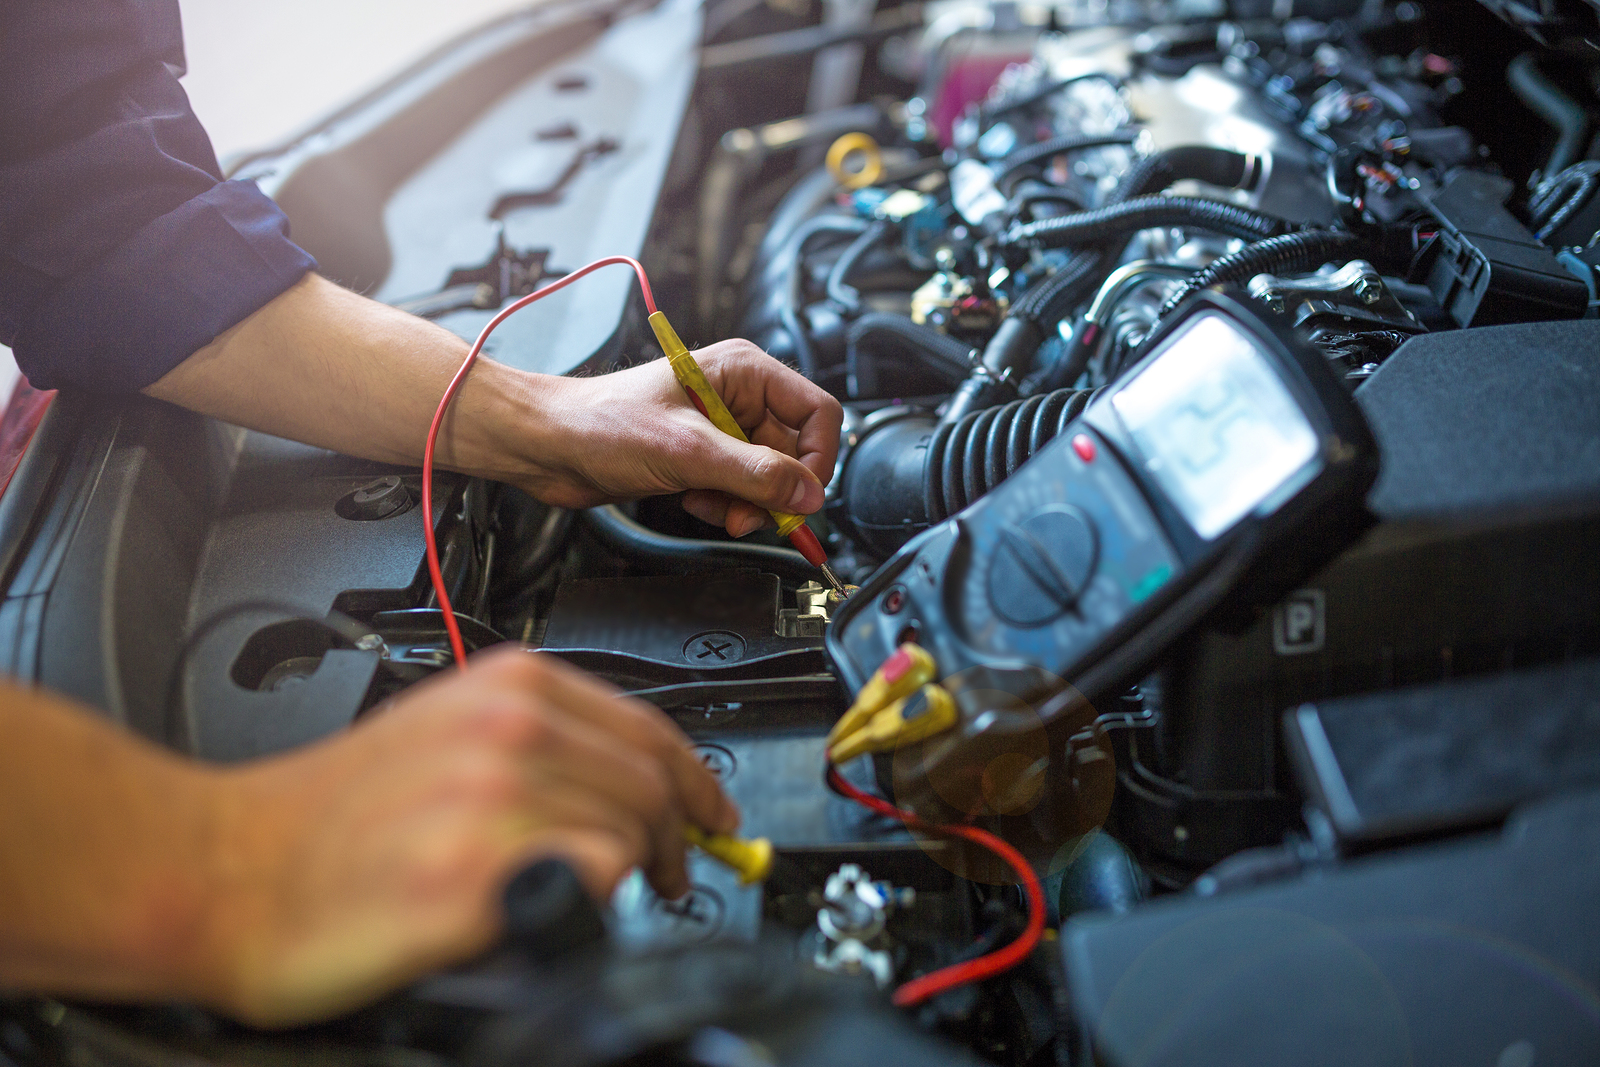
(910, 472)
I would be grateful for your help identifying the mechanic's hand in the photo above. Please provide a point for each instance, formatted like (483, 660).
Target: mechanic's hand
(634, 433)
(364, 861)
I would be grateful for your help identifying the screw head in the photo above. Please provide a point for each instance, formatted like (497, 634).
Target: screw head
(716, 759)
(378, 499)
(714, 648)
(697, 916)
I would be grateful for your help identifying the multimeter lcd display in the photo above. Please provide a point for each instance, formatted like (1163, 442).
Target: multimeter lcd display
(1218, 430)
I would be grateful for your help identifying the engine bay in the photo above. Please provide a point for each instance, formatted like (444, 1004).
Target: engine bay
(1330, 805)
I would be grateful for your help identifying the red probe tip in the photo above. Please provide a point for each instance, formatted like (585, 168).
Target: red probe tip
(804, 540)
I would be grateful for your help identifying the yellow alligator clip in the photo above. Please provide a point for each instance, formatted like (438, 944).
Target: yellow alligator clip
(909, 669)
(930, 710)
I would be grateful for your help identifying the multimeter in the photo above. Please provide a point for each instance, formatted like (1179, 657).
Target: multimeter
(1230, 449)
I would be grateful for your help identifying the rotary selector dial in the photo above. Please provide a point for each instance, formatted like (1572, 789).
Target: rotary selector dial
(1042, 564)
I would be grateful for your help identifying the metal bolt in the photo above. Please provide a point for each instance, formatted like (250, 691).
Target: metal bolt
(1369, 292)
(373, 643)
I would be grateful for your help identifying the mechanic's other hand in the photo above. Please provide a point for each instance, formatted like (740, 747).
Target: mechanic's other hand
(357, 864)
(634, 433)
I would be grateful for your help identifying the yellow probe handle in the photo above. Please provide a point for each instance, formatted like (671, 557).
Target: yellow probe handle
(751, 859)
(694, 381)
(891, 728)
(916, 668)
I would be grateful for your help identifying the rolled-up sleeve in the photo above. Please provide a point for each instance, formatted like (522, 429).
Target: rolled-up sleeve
(122, 250)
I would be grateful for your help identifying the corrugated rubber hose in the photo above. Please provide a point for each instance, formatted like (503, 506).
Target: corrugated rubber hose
(968, 458)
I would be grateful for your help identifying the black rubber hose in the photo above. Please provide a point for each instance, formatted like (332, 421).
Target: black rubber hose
(968, 458)
(522, 573)
(535, 557)
(786, 285)
(804, 358)
(938, 351)
(1034, 153)
(1048, 301)
(628, 538)
(1021, 333)
(840, 293)
(1145, 212)
(1547, 101)
(1559, 198)
(1286, 254)
(1202, 163)
(1030, 193)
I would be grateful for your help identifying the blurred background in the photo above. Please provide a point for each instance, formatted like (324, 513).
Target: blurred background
(260, 73)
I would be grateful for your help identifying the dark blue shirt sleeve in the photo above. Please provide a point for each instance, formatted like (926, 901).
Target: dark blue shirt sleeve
(122, 250)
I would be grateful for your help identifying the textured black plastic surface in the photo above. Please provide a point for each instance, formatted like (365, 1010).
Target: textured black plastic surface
(1488, 555)
(1478, 952)
(1502, 417)
(1427, 758)
(397, 191)
(148, 546)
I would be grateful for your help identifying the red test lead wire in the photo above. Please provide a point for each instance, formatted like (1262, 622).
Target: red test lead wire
(929, 985)
(457, 646)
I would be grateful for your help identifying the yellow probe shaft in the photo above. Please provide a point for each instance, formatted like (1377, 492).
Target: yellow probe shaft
(693, 379)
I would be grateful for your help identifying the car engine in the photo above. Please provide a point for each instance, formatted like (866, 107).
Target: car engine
(1345, 813)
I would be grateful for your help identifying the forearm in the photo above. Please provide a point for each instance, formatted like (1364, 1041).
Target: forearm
(323, 365)
(108, 858)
